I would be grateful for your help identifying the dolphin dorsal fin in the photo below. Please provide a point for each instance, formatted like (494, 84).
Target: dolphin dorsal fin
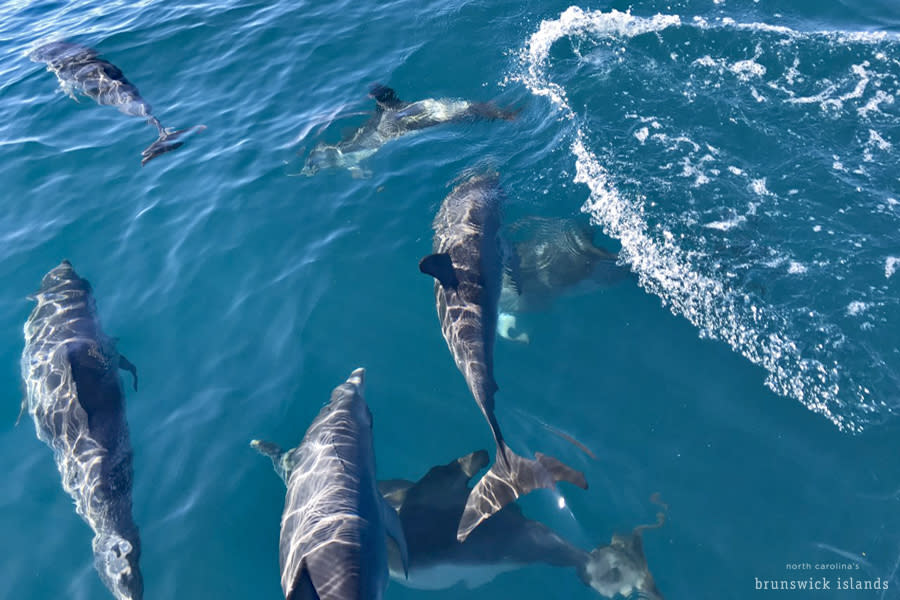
(385, 97)
(394, 530)
(440, 266)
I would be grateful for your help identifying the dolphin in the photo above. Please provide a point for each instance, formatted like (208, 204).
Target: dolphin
(431, 507)
(467, 265)
(552, 256)
(335, 523)
(80, 69)
(392, 119)
(75, 397)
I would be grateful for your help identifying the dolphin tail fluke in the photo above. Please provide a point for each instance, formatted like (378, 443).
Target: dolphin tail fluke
(510, 477)
(492, 112)
(167, 141)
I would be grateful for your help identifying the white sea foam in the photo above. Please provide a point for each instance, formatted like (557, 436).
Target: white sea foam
(758, 186)
(727, 225)
(796, 268)
(874, 104)
(890, 266)
(745, 70)
(758, 332)
(878, 142)
(641, 134)
(856, 307)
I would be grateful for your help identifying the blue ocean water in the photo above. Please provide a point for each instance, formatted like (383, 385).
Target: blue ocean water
(741, 156)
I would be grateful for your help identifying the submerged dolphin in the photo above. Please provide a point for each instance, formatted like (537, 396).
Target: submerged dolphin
(74, 394)
(552, 256)
(80, 69)
(467, 265)
(430, 509)
(333, 530)
(394, 118)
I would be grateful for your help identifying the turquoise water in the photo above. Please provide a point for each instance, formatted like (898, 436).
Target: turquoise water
(741, 155)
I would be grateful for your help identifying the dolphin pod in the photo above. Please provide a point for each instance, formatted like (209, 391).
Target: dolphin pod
(344, 534)
(80, 69)
(335, 522)
(467, 265)
(431, 507)
(75, 397)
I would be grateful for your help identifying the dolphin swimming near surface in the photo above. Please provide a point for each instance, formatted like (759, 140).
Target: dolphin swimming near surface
(467, 265)
(75, 397)
(552, 256)
(394, 118)
(335, 523)
(430, 510)
(79, 69)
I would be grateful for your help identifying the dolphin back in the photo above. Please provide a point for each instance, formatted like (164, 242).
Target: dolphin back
(75, 397)
(335, 521)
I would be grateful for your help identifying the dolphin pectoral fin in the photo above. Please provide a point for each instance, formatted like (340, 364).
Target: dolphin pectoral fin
(269, 449)
(357, 172)
(507, 325)
(166, 142)
(275, 453)
(22, 410)
(394, 530)
(69, 91)
(385, 97)
(440, 266)
(509, 479)
(127, 365)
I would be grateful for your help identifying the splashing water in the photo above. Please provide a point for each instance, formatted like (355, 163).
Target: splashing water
(716, 153)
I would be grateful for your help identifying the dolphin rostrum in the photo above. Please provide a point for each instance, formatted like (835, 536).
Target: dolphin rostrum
(430, 509)
(80, 69)
(394, 118)
(75, 397)
(467, 265)
(335, 523)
